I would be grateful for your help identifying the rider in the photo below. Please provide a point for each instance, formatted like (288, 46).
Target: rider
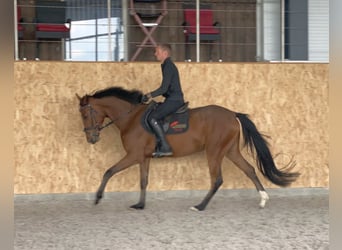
(170, 88)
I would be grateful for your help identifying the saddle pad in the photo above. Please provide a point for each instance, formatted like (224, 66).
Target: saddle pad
(172, 124)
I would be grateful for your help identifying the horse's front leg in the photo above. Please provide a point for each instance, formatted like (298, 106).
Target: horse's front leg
(124, 163)
(144, 171)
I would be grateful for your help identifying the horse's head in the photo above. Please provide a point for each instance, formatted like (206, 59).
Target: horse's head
(92, 119)
(92, 108)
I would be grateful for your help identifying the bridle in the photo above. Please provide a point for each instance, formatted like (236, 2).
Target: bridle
(95, 125)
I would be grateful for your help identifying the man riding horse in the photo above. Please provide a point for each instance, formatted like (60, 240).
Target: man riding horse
(171, 89)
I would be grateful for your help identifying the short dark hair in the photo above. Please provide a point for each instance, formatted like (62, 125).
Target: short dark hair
(166, 47)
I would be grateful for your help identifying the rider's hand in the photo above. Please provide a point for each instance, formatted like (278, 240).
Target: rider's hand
(145, 98)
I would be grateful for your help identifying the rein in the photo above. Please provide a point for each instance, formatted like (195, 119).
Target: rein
(109, 123)
(100, 127)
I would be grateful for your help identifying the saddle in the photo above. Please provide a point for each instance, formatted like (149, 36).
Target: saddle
(175, 123)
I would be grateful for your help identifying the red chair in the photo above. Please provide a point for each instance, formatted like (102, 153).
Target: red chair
(51, 22)
(209, 31)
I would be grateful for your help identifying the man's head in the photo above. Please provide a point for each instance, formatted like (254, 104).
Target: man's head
(162, 52)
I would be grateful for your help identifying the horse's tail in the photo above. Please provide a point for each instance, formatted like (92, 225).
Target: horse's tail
(254, 140)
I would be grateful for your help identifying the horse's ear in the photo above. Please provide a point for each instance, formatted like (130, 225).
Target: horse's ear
(79, 98)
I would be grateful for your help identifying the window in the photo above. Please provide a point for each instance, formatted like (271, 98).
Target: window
(91, 40)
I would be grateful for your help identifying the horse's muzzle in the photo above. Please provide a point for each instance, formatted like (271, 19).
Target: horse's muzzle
(93, 138)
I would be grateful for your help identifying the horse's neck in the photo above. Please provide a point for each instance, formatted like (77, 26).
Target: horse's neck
(115, 106)
(118, 111)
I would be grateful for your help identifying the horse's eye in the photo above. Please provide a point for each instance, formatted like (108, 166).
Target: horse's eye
(84, 117)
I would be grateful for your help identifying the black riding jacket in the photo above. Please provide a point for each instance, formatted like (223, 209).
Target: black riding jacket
(170, 87)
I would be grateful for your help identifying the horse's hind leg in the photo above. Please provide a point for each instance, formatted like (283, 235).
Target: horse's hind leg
(216, 182)
(144, 170)
(236, 157)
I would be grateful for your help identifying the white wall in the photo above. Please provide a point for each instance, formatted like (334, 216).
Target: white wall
(269, 30)
(318, 30)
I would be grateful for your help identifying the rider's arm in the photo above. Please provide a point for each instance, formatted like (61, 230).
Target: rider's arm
(167, 76)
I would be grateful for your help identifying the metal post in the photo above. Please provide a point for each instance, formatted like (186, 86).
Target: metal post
(197, 30)
(124, 24)
(282, 30)
(96, 35)
(260, 30)
(109, 14)
(16, 48)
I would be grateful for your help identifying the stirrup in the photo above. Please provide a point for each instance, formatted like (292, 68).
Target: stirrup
(158, 154)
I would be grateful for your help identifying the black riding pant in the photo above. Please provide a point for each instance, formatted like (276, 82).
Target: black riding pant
(166, 108)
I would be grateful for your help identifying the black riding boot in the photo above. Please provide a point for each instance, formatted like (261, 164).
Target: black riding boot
(164, 149)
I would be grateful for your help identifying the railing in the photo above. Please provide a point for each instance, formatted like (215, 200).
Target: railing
(108, 30)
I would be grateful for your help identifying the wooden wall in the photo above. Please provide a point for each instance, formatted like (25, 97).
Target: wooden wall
(288, 102)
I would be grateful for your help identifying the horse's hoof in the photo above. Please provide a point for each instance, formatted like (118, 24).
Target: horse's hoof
(264, 198)
(194, 209)
(138, 206)
(97, 200)
(199, 207)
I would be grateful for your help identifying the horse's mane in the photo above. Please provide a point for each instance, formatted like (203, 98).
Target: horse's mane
(132, 96)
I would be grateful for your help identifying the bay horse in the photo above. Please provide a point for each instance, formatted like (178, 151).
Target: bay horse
(214, 129)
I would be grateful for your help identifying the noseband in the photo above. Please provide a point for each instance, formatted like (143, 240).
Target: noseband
(95, 124)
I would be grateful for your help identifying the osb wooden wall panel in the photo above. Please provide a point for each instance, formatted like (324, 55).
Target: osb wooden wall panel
(288, 102)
